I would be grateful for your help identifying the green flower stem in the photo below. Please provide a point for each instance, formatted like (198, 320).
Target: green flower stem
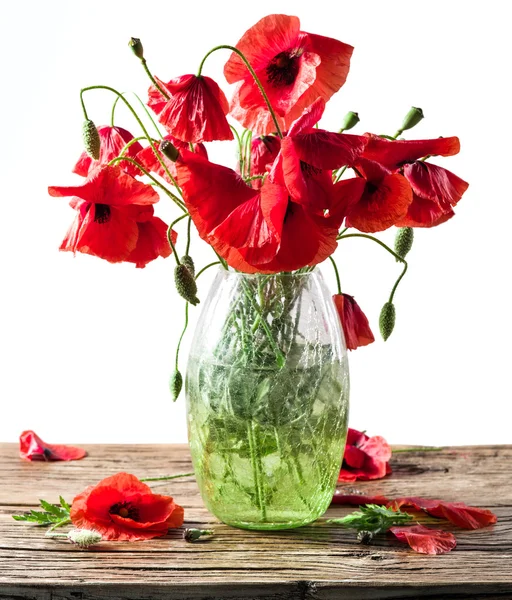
(181, 336)
(247, 153)
(217, 262)
(141, 125)
(374, 239)
(340, 173)
(168, 477)
(419, 449)
(399, 132)
(189, 225)
(153, 80)
(221, 260)
(66, 521)
(335, 267)
(254, 76)
(239, 143)
(257, 467)
(142, 105)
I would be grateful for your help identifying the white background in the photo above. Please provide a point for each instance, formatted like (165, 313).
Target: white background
(87, 346)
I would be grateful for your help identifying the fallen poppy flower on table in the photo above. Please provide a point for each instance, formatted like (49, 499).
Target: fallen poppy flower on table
(424, 539)
(354, 322)
(32, 447)
(123, 508)
(365, 457)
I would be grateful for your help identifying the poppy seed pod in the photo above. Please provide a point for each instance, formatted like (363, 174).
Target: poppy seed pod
(364, 537)
(412, 118)
(387, 320)
(403, 241)
(169, 151)
(189, 263)
(351, 119)
(84, 538)
(92, 140)
(136, 46)
(191, 535)
(175, 384)
(185, 284)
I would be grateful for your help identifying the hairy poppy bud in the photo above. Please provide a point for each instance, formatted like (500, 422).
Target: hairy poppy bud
(364, 537)
(403, 241)
(92, 140)
(169, 151)
(387, 320)
(351, 119)
(186, 284)
(175, 384)
(191, 535)
(84, 537)
(136, 46)
(189, 263)
(412, 118)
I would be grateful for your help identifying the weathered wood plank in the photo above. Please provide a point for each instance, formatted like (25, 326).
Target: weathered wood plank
(314, 562)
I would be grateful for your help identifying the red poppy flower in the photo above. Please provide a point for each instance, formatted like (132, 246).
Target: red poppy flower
(293, 66)
(365, 457)
(353, 321)
(32, 447)
(147, 159)
(111, 204)
(385, 199)
(113, 140)
(195, 110)
(264, 150)
(253, 230)
(123, 508)
(357, 499)
(424, 539)
(151, 242)
(458, 513)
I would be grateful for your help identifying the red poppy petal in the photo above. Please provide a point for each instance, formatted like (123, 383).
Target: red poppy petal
(151, 242)
(32, 447)
(357, 499)
(355, 325)
(435, 183)
(254, 117)
(467, 517)
(377, 448)
(308, 119)
(425, 540)
(326, 150)
(353, 457)
(393, 154)
(347, 476)
(425, 213)
(356, 438)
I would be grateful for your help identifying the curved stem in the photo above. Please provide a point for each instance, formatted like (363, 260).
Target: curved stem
(181, 336)
(187, 250)
(113, 111)
(335, 267)
(254, 76)
(217, 262)
(153, 80)
(171, 244)
(167, 477)
(340, 173)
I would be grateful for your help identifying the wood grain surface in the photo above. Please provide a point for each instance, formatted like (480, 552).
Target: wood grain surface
(316, 562)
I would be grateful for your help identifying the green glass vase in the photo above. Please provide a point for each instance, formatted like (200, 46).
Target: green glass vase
(267, 391)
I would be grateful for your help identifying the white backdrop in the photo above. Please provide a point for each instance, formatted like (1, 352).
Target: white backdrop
(87, 346)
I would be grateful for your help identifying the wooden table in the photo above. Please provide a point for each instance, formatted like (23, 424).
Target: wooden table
(313, 563)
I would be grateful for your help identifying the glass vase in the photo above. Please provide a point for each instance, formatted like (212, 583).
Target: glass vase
(267, 391)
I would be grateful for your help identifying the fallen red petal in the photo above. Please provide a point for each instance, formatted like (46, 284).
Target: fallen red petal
(425, 540)
(32, 447)
(357, 499)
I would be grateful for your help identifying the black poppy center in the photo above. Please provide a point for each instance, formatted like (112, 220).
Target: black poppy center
(283, 69)
(101, 213)
(125, 510)
(308, 169)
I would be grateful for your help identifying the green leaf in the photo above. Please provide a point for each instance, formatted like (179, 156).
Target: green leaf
(373, 518)
(51, 515)
(64, 504)
(55, 510)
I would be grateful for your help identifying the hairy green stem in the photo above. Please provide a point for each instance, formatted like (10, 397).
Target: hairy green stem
(335, 267)
(167, 477)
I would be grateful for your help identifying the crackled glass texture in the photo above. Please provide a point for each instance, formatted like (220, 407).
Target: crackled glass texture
(267, 399)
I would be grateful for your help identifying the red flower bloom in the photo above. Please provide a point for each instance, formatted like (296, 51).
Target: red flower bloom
(264, 150)
(123, 508)
(195, 110)
(32, 447)
(365, 457)
(111, 205)
(353, 321)
(458, 513)
(147, 159)
(293, 66)
(151, 242)
(435, 190)
(113, 140)
(424, 539)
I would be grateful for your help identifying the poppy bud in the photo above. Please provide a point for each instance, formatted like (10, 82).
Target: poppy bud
(92, 140)
(387, 320)
(185, 284)
(84, 537)
(136, 46)
(168, 150)
(189, 263)
(175, 384)
(191, 535)
(364, 537)
(412, 118)
(403, 241)
(351, 119)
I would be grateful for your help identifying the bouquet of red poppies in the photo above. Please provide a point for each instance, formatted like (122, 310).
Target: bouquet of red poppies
(296, 189)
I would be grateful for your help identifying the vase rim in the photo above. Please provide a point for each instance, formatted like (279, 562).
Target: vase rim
(281, 274)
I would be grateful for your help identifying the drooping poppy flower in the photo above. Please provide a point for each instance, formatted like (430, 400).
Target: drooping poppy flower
(424, 539)
(293, 66)
(458, 513)
(195, 110)
(113, 140)
(385, 199)
(110, 205)
(365, 457)
(32, 447)
(151, 242)
(264, 151)
(435, 189)
(340, 497)
(123, 508)
(353, 321)
(147, 158)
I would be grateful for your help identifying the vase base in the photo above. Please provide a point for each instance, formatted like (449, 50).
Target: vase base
(254, 526)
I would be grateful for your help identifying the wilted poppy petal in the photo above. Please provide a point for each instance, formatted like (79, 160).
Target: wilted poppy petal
(354, 457)
(356, 438)
(354, 322)
(377, 447)
(425, 540)
(340, 497)
(326, 150)
(425, 213)
(435, 183)
(151, 242)
(32, 447)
